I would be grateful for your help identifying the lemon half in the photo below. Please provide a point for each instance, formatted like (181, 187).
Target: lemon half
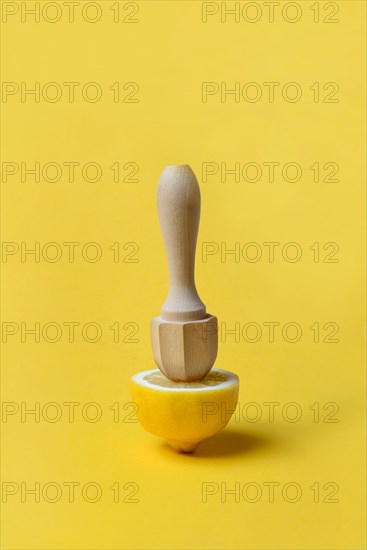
(184, 413)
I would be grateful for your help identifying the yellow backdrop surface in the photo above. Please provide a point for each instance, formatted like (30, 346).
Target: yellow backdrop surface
(266, 102)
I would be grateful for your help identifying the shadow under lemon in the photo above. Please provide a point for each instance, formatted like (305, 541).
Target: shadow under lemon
(229, 442)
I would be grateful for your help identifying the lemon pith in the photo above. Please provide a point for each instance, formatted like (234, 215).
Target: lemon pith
(181, 412)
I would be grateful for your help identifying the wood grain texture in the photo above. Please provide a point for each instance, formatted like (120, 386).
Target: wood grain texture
(185, 351)
(178, 201)
(184, 337)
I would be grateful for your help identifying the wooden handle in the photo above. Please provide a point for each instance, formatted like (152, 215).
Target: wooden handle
(178, 201)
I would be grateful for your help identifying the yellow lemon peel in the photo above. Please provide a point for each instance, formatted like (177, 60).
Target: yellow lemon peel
(185, 413)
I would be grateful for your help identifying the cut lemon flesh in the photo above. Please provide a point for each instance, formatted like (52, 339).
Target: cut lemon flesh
(184, 413)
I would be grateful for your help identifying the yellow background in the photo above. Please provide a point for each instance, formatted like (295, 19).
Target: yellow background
(169, 53)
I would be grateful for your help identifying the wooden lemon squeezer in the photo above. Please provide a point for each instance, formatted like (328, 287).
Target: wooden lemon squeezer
(184, 336)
